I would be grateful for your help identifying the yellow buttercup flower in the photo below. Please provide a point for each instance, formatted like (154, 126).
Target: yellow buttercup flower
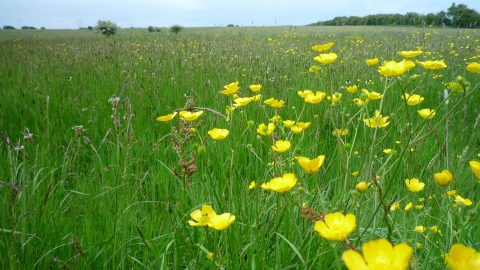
(432, 65)
(340, 132)
(372, 62)
(274, 103)
(361, 187)
(420, 229)
(379, 254)
(394, 69)
(288, 123)
(394, 206)
(461, 257)
(409, 54)
(255, 87)
(377, 121)
(189, 116)
(218, 133)
(275, 119)
(281, 146)
(265, 130)
(315, 98)
(326, 58)
(322, 48)
(414, 185)
(304, 93)
(475, 166)
(303, 125)
(335, 97)
(360, 102)
(443, 178)
(413, 100)
(352, 89)
(281, 184)
(372, 95)
(408, 206)
(427, 113)
(242, 101)
(221, 222)
(167, 117)
(209, 255)
(201, 217)
(230, 89)
(311, 166)
(336, 226)
(252, 185)
(296, 129)
(462, 201)
(474, 67)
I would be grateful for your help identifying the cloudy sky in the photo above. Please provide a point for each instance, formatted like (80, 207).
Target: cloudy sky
(70, 14)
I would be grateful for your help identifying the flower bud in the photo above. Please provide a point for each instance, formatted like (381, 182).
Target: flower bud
(361, 187)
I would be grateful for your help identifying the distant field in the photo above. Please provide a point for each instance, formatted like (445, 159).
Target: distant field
(90, 178)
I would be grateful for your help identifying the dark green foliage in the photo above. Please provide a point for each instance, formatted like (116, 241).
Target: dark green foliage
(107, 28)
(176, 28)
(8, 27)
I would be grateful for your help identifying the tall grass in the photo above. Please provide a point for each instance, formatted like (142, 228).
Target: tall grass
(101, 183)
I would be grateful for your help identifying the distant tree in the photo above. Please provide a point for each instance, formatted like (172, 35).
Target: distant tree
(107, 28)
(176, 28)
(28, 27)
(8, 27)
(230, 25)
(90, 28)
(43, 28)
(462, 16)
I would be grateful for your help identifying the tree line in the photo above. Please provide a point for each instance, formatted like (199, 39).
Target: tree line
(455, 16)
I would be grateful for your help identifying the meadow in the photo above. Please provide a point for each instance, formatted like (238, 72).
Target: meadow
(240, 148)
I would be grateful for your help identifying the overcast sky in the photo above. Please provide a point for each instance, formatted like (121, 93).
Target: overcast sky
(70, 14)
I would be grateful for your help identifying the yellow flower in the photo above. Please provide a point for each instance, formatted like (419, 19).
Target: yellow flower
(288, 123)
(257, 97)
(315, 98)
(265, 130)
(371, 95)
(326, 58)
(218, 133)
(409, 54)
(461, 201)
(221, 222)
(427, 113)
(167, 117)
(462, 257)
(377, 121)
(352, 89)
(361, 187)
(379, 254)
(242, 101)
(432, 65)
(413, 100)
(360, 102)
(475, 166)
(275, 119)
(451, 193)
(340, 132)
(252, 185)
(281, 146)
(230, 89)
(274, 103)
(336, 226)
(311, 166)
(209, 255)
(474, 67)
(394, 206)
(189, 116)
(255, 87)
(394, 69)
(314, 68)
(419, 207)
(355, 173)
(281, 184)
(296, 129)
(335, 97)
(387, 151)
(414, 185)
(303, 125)
(443, 178)
(304, 93)
(409, 206)
(419, 229)
(372, 62)
(201, 217)
(322, 48)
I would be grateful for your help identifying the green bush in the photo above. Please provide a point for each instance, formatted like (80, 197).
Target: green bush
(8, 27)
(107, 28)
(176, 28)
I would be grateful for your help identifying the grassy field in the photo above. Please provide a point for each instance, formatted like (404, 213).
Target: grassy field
(90, 178)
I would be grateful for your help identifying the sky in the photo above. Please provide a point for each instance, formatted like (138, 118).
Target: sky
(72, 14)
